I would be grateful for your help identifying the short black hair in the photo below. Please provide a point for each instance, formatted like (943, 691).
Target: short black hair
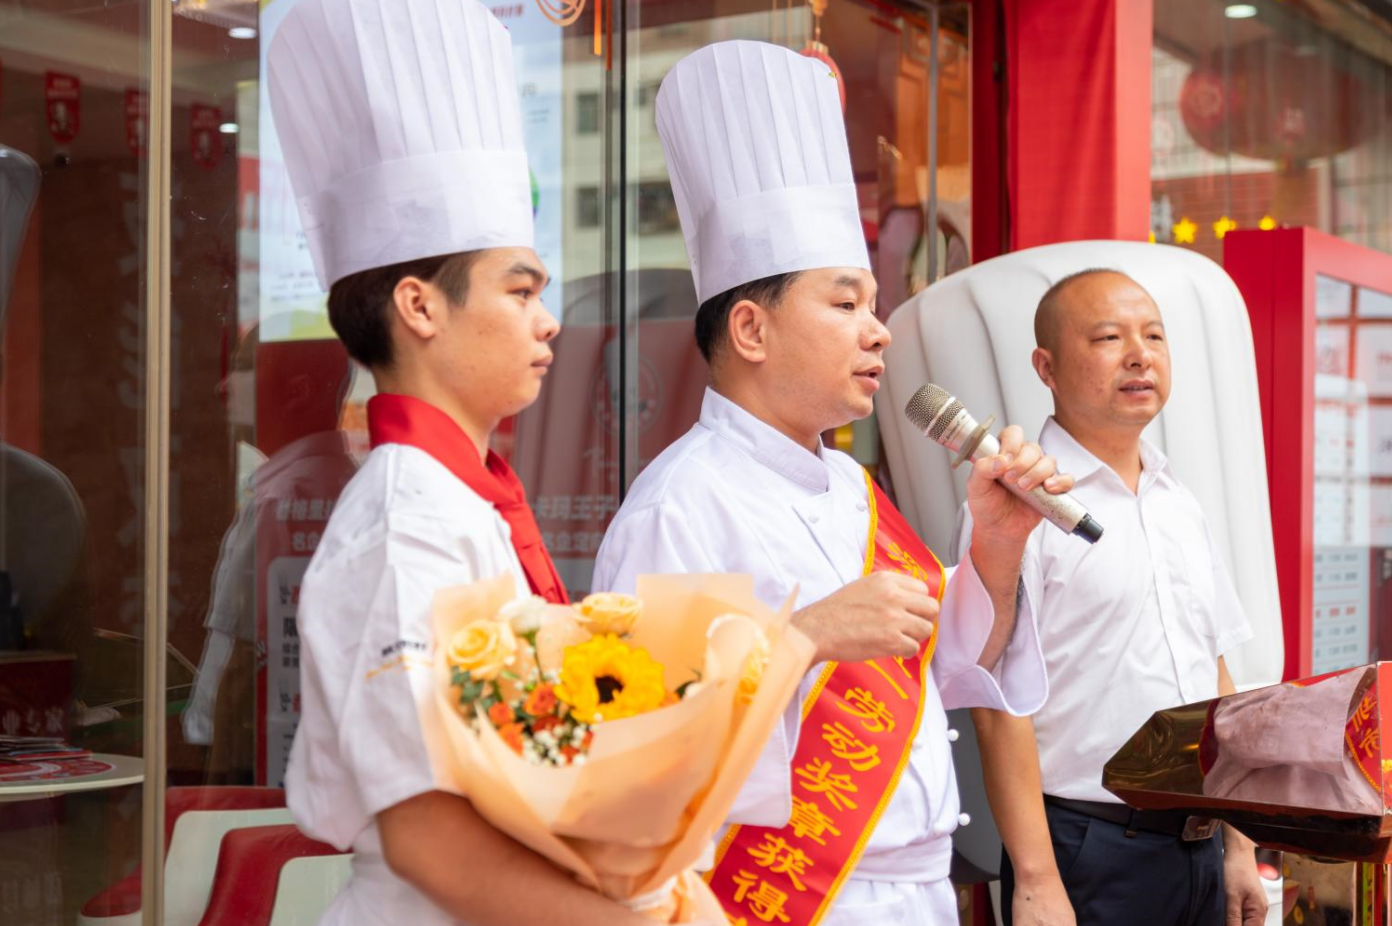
(1046, 315)
(360, 304)
(713, 316)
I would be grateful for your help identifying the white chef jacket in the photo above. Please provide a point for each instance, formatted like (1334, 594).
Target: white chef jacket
(403, 529)
(736, 495)
(1130, 625)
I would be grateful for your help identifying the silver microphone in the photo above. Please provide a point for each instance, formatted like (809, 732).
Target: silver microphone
(938, 414)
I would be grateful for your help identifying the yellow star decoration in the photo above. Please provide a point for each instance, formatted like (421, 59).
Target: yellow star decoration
(1184, 231)
(1267, 223)
(1222, 227)
(1151, 239)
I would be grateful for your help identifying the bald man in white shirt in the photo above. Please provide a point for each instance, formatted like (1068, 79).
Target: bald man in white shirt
(1136, 623)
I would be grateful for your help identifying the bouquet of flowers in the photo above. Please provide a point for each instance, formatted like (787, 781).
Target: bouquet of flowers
(613, 736)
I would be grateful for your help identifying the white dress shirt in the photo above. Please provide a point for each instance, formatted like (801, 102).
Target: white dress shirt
(403, 529)
(736, 495)
(1130, 625)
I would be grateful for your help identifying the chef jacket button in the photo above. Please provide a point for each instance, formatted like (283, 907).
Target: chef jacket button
(814, 518)
(952, 736)
(861, 506)
(964, 819)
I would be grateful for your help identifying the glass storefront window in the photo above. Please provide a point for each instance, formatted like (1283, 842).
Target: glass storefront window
(1268, 120)
(74, 229)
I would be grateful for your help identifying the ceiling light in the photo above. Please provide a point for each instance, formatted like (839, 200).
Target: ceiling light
(228, 128)
(247, 32)
(1240, 11)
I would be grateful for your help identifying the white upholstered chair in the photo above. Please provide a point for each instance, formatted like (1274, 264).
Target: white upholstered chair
(972, 333)
(307, 887)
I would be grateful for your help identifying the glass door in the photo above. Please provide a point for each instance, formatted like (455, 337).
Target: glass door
(75, 229)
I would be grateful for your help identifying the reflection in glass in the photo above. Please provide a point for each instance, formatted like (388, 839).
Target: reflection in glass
(73, 226)
(244, 711)
(1276, 120)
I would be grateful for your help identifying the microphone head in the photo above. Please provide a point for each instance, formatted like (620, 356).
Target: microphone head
(932, 409)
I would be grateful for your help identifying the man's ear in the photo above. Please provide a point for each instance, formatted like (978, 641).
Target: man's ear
(747, 331)
(1044, 366)
(419, 305)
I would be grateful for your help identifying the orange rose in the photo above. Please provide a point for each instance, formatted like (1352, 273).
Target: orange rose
(546, 722)
(541, 700)
(569, 752)
(512, 735)
(500, 714)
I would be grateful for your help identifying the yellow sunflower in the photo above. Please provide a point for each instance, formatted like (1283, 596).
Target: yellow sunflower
(606, 679)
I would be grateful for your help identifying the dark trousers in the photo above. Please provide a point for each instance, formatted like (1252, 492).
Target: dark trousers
(1145, 880)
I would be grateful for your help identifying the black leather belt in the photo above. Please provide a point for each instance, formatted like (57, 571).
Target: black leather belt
(1165, 822)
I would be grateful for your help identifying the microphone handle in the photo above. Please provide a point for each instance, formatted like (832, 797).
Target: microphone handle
(1062, 511)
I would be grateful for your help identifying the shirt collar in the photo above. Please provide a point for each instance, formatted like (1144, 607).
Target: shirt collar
(1079, 462)
(764, 442)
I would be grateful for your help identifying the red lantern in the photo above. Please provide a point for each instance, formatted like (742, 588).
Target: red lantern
(820, 52)
(1276, 105)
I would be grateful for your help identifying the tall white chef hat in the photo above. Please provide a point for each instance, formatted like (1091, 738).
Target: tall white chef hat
(756, 149)
(401, 131)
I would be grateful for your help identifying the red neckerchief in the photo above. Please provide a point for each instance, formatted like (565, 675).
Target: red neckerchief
(399, 419)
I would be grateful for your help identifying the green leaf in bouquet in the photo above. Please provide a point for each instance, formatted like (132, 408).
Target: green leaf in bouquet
(469, 689)
(681, 689)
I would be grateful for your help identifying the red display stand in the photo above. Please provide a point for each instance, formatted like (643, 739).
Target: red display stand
(1321, 312)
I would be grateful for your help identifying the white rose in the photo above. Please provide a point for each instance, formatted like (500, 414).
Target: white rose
(526, 615)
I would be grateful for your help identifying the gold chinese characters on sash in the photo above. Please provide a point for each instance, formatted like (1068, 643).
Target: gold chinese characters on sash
(858, 725)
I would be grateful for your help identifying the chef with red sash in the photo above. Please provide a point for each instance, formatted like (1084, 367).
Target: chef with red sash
(848, 816)
(400, 127)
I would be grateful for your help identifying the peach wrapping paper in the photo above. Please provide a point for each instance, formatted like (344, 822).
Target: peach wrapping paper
(645, 806)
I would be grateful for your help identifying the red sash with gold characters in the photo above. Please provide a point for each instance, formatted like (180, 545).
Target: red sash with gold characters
(858, 724)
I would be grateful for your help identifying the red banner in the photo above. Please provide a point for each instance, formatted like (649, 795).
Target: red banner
(137, 120)
(63, 105)
(1363, 736)
(205, 138)
(858, 728)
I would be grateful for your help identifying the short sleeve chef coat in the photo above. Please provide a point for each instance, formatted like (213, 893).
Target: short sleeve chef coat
(404, 528)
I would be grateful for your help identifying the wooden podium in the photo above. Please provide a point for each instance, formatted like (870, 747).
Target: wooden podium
(1297, 767)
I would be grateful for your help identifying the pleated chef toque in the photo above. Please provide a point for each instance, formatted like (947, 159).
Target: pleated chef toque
(756, 150)
(401, 132)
